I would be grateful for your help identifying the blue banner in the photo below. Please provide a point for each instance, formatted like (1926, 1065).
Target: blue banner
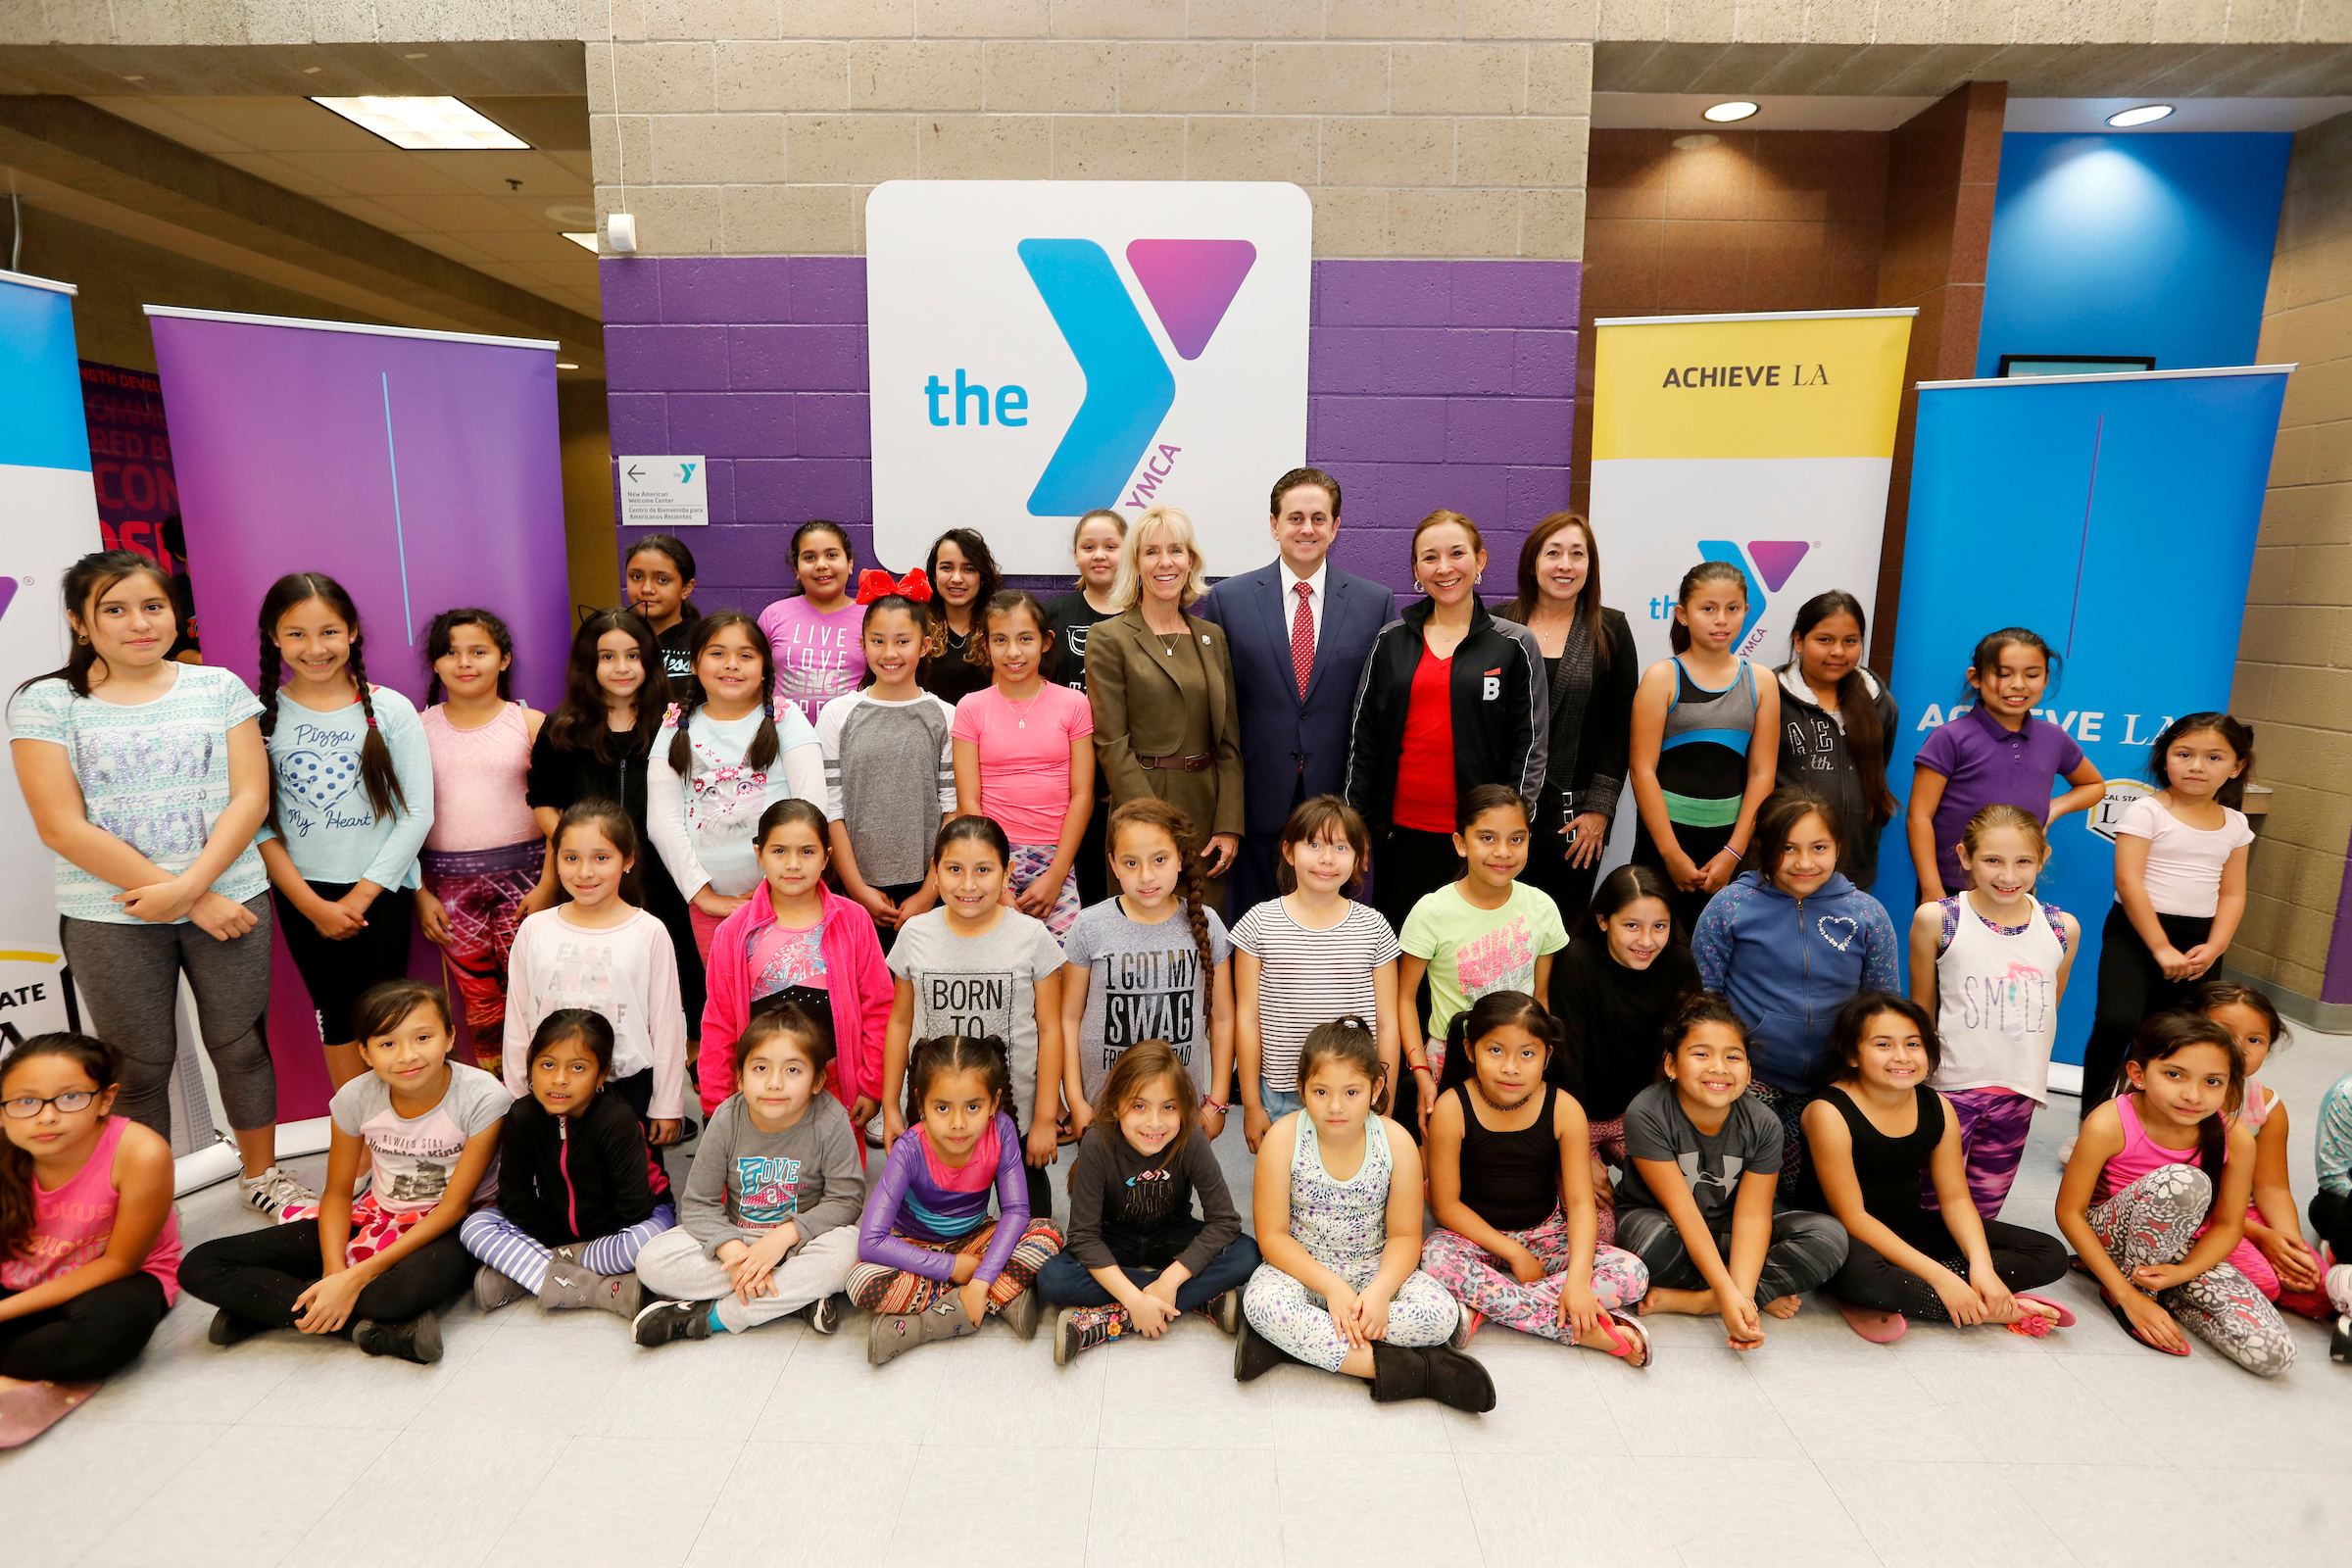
(2114, 515)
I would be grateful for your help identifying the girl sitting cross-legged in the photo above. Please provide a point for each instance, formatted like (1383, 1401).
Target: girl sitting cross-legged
(578, 1192)
(1511, 1176)
(1695, 1201)
(1876, 1131)
(931, 1265)
(1337, 1204)
(772, 1199)
(1136, 1257)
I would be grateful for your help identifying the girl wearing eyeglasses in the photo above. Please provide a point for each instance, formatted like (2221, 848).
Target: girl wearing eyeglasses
(89, 1244)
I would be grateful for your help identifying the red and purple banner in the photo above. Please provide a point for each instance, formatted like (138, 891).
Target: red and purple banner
(130, 458)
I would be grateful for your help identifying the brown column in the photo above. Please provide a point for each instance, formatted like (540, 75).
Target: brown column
(1941, 166)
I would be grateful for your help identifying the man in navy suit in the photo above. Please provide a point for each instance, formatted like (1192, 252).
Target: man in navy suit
(1301, 630)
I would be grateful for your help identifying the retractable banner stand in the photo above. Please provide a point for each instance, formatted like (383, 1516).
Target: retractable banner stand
(420, 469)
(48, 518)
(2115, 516)
(1762, 440)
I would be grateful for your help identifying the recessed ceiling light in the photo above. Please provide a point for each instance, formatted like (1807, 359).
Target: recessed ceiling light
(586, 242)
(421, 125)
(1736, 109)
(565, 365)
(2144, 115)
(310, 71)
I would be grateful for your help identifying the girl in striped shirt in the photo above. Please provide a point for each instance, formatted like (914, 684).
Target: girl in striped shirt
(1309, 956)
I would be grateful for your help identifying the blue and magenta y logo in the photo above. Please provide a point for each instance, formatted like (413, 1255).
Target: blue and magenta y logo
(1767, 565)
(1130, 387)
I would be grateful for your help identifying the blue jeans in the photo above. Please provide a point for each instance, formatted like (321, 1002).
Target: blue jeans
(1141, 1256)
(1279, 1102)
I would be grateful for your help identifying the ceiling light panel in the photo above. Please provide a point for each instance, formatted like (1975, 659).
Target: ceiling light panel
(419, 125)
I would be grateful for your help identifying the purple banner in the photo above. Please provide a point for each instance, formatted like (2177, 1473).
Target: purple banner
(419, 470)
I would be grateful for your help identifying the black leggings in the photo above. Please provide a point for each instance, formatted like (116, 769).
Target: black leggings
(258, 1276)
(2130, 988)
(2331, 1222)
(1701, 845)
(1409, 865)
(336, 973)
(2021, 1257)
(92, 1335)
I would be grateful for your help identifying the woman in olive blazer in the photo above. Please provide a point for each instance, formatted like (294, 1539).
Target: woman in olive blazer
(1166, 724)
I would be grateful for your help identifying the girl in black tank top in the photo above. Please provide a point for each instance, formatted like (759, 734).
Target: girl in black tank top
(1510, 1174)
(1885, 1159)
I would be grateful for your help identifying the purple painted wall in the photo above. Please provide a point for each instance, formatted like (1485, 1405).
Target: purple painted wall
(1431, 383)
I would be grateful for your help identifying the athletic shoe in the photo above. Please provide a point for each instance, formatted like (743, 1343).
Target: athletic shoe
(1226, 1312)
(417, 1338)
(493, 1289)
(665, 1321)
(273, 1191)
(823, 1314)
(2338, 1284)
(1468, 1322)
(1079, 1329)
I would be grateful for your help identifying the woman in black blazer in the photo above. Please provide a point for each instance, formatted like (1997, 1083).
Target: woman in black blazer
(1593, 673)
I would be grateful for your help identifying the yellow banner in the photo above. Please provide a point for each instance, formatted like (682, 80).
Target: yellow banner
(1764, 387)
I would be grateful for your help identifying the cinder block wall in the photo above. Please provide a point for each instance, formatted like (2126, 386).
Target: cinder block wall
(2294, 670)
(1421, 127)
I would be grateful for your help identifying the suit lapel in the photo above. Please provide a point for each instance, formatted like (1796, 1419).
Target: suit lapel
(1278, 631)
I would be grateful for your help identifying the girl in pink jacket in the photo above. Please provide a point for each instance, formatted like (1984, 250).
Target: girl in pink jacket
(796, 940)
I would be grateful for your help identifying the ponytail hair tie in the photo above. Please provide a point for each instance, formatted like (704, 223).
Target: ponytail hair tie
(372, 721)
(676, 709)
(874, 583)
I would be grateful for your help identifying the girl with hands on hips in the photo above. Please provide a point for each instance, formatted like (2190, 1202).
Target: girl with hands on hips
(1339, 1220)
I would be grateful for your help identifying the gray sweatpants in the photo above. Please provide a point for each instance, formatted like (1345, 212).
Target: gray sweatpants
(1806, 1249)
(130, 974)
(676, 1265)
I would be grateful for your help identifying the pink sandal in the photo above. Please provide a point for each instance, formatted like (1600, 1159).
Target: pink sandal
(1879, 1328)
(1635, 1354)
(33, 1408)
(2061, 1318)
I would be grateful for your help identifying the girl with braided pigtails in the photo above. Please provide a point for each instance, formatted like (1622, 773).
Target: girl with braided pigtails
(351, 801)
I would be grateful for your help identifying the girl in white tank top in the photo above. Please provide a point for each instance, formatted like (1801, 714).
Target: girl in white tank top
(1991, 963)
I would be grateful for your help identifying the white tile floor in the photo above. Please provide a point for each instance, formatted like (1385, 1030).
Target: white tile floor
(552, 1440)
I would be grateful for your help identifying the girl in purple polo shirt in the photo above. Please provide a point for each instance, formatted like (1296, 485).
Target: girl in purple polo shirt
(1996, 751)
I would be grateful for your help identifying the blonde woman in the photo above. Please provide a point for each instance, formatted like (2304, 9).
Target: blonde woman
(1166, 725)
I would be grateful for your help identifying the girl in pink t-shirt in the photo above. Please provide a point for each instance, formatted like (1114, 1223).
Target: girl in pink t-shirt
(89, 1244)
(814, 636)
(1024, 755)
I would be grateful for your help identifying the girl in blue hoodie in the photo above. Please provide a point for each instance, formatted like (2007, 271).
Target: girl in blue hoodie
(1789, 942)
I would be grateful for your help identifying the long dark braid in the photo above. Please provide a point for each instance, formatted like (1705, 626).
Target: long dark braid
(375, 758)
(1169, 819)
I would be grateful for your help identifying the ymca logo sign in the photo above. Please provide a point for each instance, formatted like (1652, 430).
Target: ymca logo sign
(1038, 348)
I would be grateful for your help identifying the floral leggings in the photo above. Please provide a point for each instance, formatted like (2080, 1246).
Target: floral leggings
(878, 1288)
(482, 891)
(2155, 1221)
(1485, 1284)
(1297, 1320)
(1029, 863)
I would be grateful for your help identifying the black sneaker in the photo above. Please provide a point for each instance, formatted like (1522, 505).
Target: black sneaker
(417, 1338)
(665, 1321)
(823, 1314)
(229, 1329)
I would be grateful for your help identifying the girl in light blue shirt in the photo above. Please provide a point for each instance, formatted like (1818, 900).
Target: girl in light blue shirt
(351, 801)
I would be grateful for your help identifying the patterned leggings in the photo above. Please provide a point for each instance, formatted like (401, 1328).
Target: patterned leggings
(1298, 1320)
(483, 892)
(1484, 1283)
(880, 1289)
(1791, 1108)
(523, 1257)
(1993, 1123)
(1029, 863)
(2155, 1221)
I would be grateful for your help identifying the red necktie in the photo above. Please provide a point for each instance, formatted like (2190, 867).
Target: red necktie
(1302, 637)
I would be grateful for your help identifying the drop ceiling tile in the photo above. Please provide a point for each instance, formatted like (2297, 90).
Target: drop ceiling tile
(278, 124)
(158, 115)
(488, 171)
(538, 245)
(367, 210)
(275, 170)
(462, 214)
(457, 250)
(580, 163)
(389, 172)
(563, 274)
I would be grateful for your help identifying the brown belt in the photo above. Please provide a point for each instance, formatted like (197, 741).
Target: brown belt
(1198, 763)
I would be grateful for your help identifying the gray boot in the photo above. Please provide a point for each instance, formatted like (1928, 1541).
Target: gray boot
(893, 1334)
(493, 1289)
(568, 1287)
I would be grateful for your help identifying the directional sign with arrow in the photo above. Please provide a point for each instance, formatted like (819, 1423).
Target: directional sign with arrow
(663, 492)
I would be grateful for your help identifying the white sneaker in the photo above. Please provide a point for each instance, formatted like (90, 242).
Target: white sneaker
(2340, 1287)
(272, 1190)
